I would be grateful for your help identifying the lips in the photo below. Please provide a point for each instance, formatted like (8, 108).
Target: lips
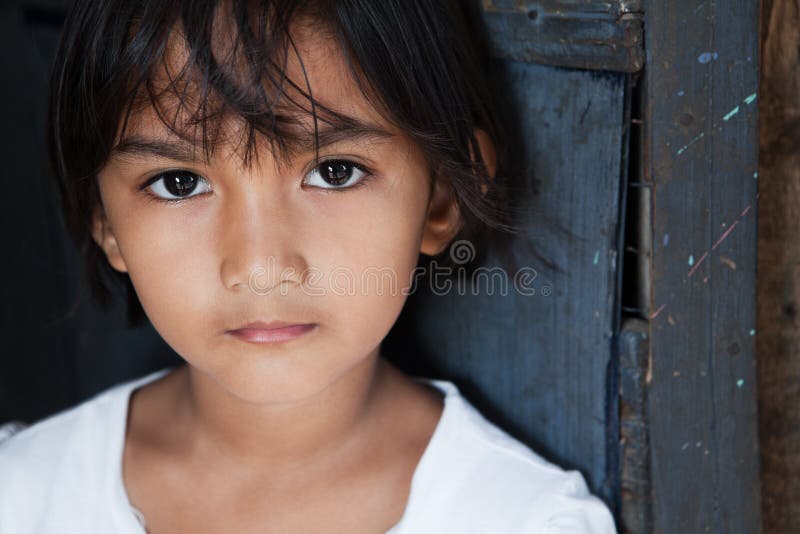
(259, 325)
(272, 332)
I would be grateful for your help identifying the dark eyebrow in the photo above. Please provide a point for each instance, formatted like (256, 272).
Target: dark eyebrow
(136, 146)
(184, 151)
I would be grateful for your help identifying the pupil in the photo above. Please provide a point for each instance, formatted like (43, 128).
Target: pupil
(336, 172)
(180, 183)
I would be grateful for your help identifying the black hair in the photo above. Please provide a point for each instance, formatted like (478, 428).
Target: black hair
(420, 63)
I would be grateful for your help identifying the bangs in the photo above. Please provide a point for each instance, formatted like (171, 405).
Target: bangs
(208, 70)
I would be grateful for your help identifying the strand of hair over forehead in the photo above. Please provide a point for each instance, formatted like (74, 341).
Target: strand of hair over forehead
(206, 89)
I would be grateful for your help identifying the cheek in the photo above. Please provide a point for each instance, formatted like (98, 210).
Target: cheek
(171, 271)
(371, 246)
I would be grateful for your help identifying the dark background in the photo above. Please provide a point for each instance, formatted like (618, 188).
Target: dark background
(58, 346)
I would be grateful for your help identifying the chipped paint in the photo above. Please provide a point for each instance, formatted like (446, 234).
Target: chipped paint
(690, 143)
(707, 57)
(731, 113)
(720, 240)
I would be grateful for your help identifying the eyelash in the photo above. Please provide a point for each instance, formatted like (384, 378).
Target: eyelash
(368, 176)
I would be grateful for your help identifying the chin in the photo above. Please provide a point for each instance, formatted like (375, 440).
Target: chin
(284, 379)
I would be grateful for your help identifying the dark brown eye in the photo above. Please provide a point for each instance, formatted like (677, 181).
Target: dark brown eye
(175, 185)
(334, 174)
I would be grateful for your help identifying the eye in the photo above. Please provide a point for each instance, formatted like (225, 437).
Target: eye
(336, 174)
(176, 185)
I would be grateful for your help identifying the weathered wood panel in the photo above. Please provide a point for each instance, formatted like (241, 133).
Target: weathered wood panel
(700, 157)
(541, 365)
(586, 34)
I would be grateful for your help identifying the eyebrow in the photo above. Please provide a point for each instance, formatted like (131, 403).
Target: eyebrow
(181, 150)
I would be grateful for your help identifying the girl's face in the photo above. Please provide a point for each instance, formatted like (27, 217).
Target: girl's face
(203, 266)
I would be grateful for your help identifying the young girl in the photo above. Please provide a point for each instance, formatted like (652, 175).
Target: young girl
(240, 166)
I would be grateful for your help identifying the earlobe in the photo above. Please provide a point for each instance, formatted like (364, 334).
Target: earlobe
(103, 235)
(443, 221)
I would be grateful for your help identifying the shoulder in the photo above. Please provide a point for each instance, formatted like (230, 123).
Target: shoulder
(49, 456)
(496, 481)
(37, 445)
(60, 461)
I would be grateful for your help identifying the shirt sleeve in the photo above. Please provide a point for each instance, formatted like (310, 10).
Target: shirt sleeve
(579, 515)
(571, 509)
(9, 429)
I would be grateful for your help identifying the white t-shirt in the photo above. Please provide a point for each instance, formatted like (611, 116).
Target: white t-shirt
(63, 474)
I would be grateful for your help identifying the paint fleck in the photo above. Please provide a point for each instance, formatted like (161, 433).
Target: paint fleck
(702, 258)
(755, 175)
(740, 382)
(750, 98)
(685, 446)
(681, 92)
(655, 313)
(707, 57)
(731, 113)
(596, 256)
(693, 141)
(698, 444)
(666, 239)
(749, 58)
(691, 260)
(729, 262)
(752, 331)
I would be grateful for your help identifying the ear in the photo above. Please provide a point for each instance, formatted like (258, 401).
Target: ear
(103, 235)
(443, 220)
(444, 217)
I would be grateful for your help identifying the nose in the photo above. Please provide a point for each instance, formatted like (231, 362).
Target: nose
(259, 244)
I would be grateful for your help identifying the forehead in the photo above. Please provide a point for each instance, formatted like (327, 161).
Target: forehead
(308, 92)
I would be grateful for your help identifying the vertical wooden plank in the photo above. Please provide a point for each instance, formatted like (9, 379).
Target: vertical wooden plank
(635, 504)
(700, 155)
(778, 338)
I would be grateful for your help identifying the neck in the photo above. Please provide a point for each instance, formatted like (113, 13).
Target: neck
(281, 439)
